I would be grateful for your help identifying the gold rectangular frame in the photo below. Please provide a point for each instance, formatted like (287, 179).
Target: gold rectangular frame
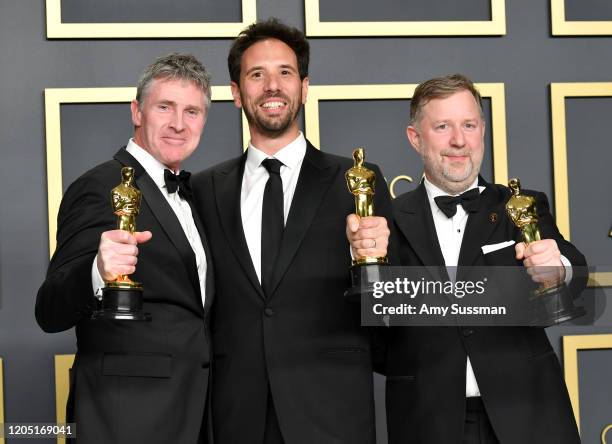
(558, 93)
(316, 28)
(495, 91)
(561, 26)
(56, 29)
(63, 364)
(571, 345)
(54, 98)
(1, 398)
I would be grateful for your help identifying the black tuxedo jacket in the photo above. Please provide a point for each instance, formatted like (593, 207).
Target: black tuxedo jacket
(304, 342)
(132, 382)
(517, 371)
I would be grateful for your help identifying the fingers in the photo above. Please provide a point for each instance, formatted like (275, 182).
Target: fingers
(520, 250)
(143, 236)
(542, 253)
(352, 223)
(543, 261)
(368, 236)
(371, 227)
(546, 274)
(373, 249)
(118, 251)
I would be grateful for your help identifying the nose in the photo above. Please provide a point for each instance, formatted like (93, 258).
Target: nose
(271, 83)
(457, 137)
(177, 123)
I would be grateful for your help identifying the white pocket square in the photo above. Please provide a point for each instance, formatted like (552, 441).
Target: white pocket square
(494, 247)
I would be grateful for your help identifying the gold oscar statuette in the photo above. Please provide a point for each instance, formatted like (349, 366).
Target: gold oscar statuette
(361, 182)
(122, 298)
(552, 300)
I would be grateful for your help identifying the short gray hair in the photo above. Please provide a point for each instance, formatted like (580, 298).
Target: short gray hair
(175, 66)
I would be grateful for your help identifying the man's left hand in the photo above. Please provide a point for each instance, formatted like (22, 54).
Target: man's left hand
(368, 236)
(542, 259)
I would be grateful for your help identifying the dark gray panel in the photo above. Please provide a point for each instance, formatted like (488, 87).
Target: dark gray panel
(380, 127)
(162, 11)
(526, 60)
(92, 134)
(595, 368)
(589, 158)
(398, 10)
(588, 10)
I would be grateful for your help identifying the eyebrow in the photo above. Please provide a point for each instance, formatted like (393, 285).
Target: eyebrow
(172, 102)
(284, 66)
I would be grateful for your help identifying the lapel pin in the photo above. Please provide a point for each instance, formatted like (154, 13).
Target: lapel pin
(493, 218)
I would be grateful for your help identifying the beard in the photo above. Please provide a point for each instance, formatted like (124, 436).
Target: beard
(271, 126)
(447, 177)
(452, 175)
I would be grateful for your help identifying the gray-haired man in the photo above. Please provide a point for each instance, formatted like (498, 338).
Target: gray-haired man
(139, 382)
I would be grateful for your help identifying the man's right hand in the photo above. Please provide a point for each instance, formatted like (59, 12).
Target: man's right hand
(118, 251)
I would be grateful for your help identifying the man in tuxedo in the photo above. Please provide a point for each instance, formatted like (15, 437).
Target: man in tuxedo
(291, 362)
(139, 382)
(472, 384)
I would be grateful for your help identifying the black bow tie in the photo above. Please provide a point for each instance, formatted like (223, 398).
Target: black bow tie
(178, 182)
(470, 201)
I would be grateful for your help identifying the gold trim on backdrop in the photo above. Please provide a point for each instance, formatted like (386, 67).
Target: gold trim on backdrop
(54, 98)
(316, 28)
(495, 91)
(561, 26)
(395, 180)
(571, 345)
(605, 430)
(558, 93)
(56, 29)
(63, 364)
(1, 398)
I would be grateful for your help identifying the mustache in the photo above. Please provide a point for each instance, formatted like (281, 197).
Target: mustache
(455, 152)
(277, 95)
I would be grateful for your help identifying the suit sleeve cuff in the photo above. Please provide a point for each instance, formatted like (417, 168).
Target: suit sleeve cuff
(97, 282)
(568, 269)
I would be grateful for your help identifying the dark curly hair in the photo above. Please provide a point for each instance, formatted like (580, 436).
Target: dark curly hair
(269, 29)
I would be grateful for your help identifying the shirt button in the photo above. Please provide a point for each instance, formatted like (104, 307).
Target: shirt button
(269, 312)
(467, 332)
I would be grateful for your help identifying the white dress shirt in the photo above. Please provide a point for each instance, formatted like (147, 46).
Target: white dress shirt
(450, 234)
(253, 186)
(181, 208)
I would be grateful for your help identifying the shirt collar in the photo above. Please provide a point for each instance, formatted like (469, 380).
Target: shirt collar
(433, 191)
(290, 155)
(153, 167)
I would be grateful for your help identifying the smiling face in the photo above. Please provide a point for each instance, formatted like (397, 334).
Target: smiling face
(169, 122)
(449, 136)
(270, 93)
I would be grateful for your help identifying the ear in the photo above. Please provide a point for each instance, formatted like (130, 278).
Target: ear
(305, 84)
(414, 137)
(236, 94)
(136, 113)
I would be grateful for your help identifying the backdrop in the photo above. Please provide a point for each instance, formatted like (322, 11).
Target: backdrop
(67, 69)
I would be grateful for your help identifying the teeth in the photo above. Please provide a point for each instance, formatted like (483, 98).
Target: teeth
(272, 104)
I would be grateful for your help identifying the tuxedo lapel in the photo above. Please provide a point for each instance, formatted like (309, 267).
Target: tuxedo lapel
(161, 210)
(415, 221)
(314, 180)
(481, 224)
(227, 185)
(210, 280)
